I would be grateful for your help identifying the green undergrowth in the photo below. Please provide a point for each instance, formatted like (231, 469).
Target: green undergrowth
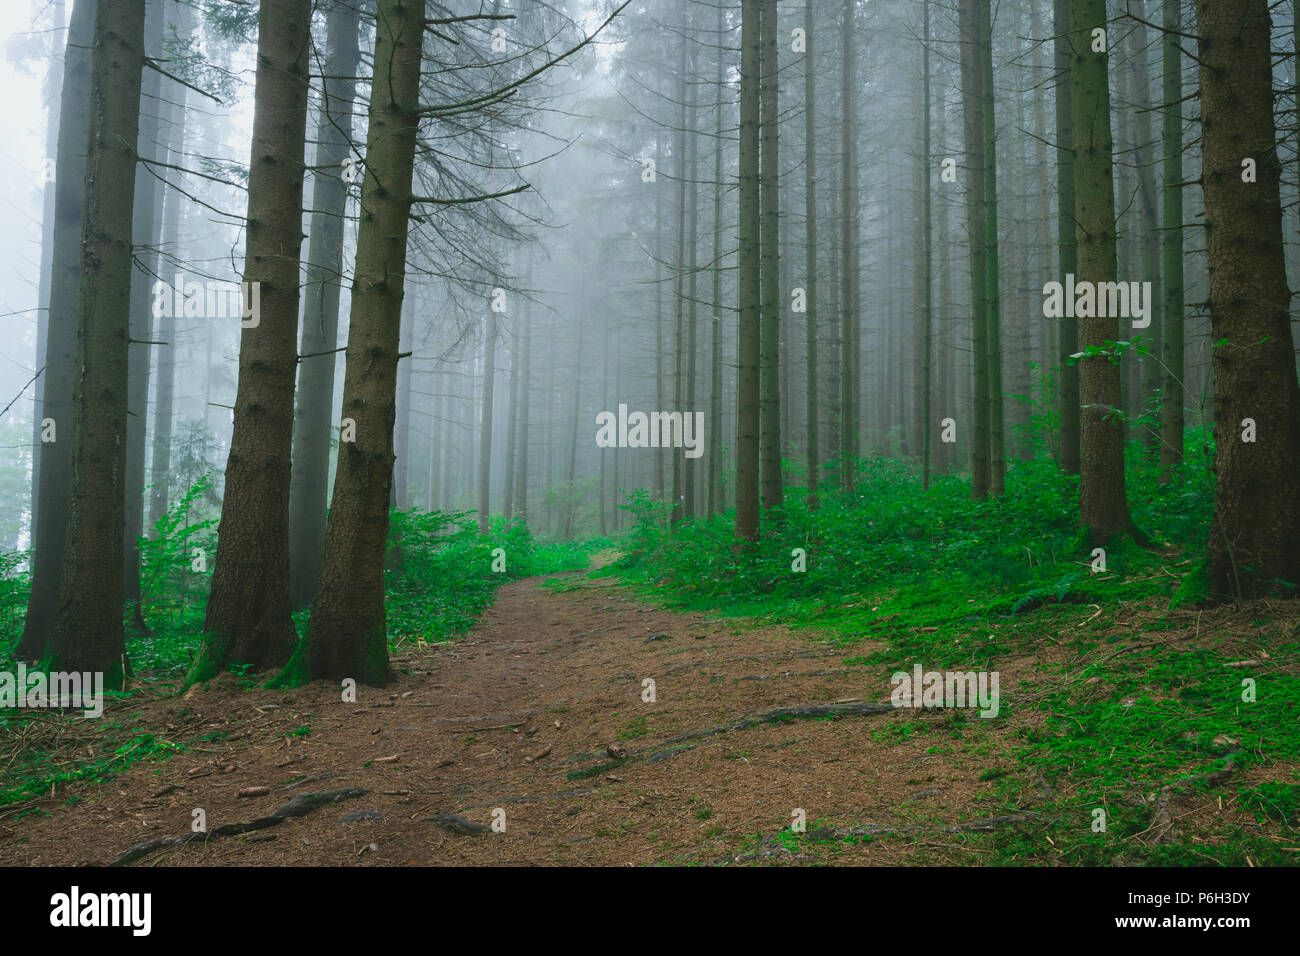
(1114, 690)
(442, 573)
(440, 576)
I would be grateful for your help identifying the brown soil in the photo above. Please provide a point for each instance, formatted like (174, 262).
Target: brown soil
(516, 717)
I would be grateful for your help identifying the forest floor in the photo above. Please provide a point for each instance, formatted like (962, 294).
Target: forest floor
(535, 718)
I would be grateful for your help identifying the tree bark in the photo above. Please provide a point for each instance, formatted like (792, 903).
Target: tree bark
(1171, 343)
(1254, 543)
(61, 339)
(1066, 244)
(810, 254)
(747, 382)
(87, 633)
(992, 296)
(346, 632)
(248, 618)
(147, 232)
(53, 95)
(1103, 507)
(973, 102)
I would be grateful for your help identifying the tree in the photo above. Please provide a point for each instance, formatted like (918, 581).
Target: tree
(346, 632)
(247, 619)
(309, 479)
(810, 250)
(849, 355)
(1143, 158)
(54, 91)
(87, 633)
(165, 387)
(61, 338)
(1103, 507)
(992, 296)
(1171, 342)
(1255, 531)
(769, 257)
(973, 105)
(147, 230)
(1066, 243)
(747, 383)
(927, 268)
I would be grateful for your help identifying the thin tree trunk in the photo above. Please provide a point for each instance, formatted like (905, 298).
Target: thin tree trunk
(165, 389)
(810, 254)
(849, 265)
(401, 497)
(928, 257)
(525, 398)
(714, 503)
(1143, 155)
(485, 421)
(1066, 244)
(770, 283)
(973, 102)
(992, 299)
(147, 234)
(1171, 343)
(747, 382)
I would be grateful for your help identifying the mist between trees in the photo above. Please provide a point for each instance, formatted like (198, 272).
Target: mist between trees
(378, 276)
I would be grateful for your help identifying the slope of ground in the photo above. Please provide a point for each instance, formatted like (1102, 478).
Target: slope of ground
(538, 719)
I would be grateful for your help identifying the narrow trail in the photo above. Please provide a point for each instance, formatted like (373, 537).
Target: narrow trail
(534, 718)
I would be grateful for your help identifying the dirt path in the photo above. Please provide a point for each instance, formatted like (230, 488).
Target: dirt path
(518, 717)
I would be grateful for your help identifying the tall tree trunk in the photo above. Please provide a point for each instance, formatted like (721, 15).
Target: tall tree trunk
(61, 339)
(512, 431)
(747, 382)
(248, 618)
(810, 253)
(714, 503)
(927, 271)
(1143, 155)
(485, 426)
(1255, 532)
(346, 633)
(53, 95)
(677, 512)
(769, 254)
(992, 299)
(973, 103)
(690, 485)
(1103, 507)
(146, 230)
(1171, 343)
(657, 480)
(87, 633)
(525, 399)
(165, 388)
(1066, 244)
(849, 266)
(401, 497)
